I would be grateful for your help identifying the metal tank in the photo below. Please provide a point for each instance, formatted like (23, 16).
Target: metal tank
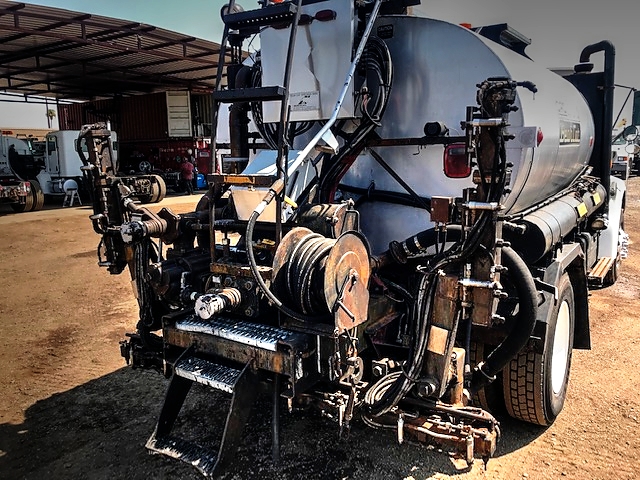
(437, 66)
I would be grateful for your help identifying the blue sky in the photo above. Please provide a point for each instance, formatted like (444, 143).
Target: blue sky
(559, 30)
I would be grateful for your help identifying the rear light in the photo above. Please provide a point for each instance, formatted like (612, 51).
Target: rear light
(306, 19)
(539, 137)
(27, 186)
(325, 15)
(456, 164)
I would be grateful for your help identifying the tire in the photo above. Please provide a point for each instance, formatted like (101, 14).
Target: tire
(28, 204)
(145, 166)
(159, 188)
(38, 195)
(535, 385)
(155, 193)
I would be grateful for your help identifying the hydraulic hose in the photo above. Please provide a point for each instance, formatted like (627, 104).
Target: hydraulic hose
(274, 190)
(525, 321)
(396, 386)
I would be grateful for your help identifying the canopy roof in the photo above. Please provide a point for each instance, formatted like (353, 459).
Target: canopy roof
(63, 54)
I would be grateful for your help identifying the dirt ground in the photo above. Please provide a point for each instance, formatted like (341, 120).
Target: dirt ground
(70, 409)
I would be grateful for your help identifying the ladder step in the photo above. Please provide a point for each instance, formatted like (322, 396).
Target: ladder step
(204, 460)
(202, 371)
(600, 270)
(258, 94)
(251, 21)
(246, 333)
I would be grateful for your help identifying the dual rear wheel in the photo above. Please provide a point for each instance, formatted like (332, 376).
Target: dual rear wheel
(34, 200)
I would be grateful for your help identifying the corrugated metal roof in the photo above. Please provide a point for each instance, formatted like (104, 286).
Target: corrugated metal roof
(63, 54)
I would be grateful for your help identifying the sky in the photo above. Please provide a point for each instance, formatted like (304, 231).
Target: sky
(559, 30)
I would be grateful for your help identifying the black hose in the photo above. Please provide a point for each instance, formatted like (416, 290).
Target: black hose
(397, 387)
(525, 321)
(256, 273)
(378, 59)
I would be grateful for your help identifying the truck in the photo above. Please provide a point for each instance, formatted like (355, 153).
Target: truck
(17, 165)
(625, 152)
(62, 168)
(412, 249)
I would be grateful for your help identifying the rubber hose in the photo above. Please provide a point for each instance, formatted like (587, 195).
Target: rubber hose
(263, 286)
(430, 237)
(525, 321)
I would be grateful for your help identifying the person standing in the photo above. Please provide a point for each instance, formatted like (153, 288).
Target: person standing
(192, 159)
(186, 173)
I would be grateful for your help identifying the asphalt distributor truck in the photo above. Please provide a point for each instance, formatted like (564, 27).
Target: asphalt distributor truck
(407, 237)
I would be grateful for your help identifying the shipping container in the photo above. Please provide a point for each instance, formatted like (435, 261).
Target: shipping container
(142, 123)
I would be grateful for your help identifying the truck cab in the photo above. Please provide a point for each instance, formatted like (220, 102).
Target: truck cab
(625, 152)
(17, 167)
(61, 160)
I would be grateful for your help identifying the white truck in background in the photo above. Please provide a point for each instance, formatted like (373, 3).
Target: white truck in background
(625, 152)
(62, 168)
(61, 163)
(17, 165)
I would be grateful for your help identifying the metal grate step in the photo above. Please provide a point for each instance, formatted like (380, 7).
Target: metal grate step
(253, 334)
(191, 453)
(202, 371)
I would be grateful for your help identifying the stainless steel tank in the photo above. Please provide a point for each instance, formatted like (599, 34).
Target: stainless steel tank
(437, 66)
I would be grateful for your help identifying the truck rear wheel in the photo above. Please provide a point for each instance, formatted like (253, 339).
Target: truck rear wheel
(38, 195)
(535, 385)
(158, 189)
(33, 201)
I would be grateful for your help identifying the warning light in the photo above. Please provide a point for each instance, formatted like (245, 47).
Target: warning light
(455, 162)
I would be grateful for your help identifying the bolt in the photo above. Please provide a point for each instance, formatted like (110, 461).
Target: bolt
(228, 281)
(427, 388)
(248, 285)
(377, 371)
(248, 311)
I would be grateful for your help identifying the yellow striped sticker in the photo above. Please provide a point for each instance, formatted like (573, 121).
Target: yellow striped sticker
(582, 209)
(596, 198)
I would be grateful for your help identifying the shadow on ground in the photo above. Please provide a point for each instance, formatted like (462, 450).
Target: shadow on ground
(98, 431)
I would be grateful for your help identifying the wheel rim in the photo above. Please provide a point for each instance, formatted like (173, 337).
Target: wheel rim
(560, 349)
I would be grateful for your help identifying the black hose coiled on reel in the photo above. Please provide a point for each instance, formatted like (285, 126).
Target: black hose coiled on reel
(305, 273)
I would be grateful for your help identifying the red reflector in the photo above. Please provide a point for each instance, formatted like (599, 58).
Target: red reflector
(455, 161)
(325, 15)
(306, 19)
(27, 185)
(539, 137)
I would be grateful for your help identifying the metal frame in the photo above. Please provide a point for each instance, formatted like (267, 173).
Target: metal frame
(82, 56)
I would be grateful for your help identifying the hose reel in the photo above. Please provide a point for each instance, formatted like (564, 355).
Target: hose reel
(321, 275)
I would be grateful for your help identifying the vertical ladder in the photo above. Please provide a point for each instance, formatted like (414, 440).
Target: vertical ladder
(243, 385)
(246, 24)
